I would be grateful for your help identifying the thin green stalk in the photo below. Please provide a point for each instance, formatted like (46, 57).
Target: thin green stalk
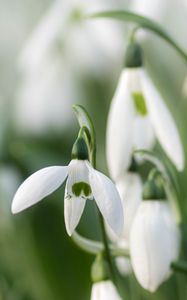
(106, 247)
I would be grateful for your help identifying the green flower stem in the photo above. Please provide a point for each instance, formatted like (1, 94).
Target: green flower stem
(106, 247)
(95, 247)
(143, 22)
(180, 266)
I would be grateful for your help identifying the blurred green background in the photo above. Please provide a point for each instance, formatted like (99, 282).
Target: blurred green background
(37, 129)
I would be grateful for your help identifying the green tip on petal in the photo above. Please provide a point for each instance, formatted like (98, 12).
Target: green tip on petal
(139, 103)
(81, 188)
(80, 149)
(133, 56)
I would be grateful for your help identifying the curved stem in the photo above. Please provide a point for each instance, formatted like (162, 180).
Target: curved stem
(143, 22)
(95, 247)
(89, 246)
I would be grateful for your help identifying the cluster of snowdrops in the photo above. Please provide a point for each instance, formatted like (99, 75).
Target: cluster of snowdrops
(139, 218)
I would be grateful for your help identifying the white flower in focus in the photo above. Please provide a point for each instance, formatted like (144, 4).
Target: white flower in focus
(137, 116)
(83, 182)
(104, 290)
(154, 243)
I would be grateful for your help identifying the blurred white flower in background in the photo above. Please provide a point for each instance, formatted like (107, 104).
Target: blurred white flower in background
(154, 243)
(130, 190)
(104, 290)
(61, 49)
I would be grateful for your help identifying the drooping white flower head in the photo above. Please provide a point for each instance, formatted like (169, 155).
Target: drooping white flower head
(137, 116)
(154, 243)
(83, 182)
(104, 290)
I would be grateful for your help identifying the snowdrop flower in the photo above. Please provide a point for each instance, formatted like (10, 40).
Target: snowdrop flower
(154, 242)
(83, 182)
(137, 116)
(104, 290)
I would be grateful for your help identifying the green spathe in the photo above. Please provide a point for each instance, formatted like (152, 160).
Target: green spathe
(80, 149)
(133, 56)
(153, 190)
(81, 188)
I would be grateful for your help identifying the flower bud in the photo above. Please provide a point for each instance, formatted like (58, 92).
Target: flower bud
(133, 56)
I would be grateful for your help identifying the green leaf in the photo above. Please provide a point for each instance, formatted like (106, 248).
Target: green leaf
(143, 22)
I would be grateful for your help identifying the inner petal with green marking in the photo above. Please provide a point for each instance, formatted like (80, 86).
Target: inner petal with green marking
(140, 105)
(81, 189)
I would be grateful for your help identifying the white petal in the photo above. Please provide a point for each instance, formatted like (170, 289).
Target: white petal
(78, 172)
(108, 200)
(73, 209)
(130, 190)
(143, 134)
(163, 123)
(74, 205)
(119, 129)
(38, 186)
(104, 290)
(154, 243)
